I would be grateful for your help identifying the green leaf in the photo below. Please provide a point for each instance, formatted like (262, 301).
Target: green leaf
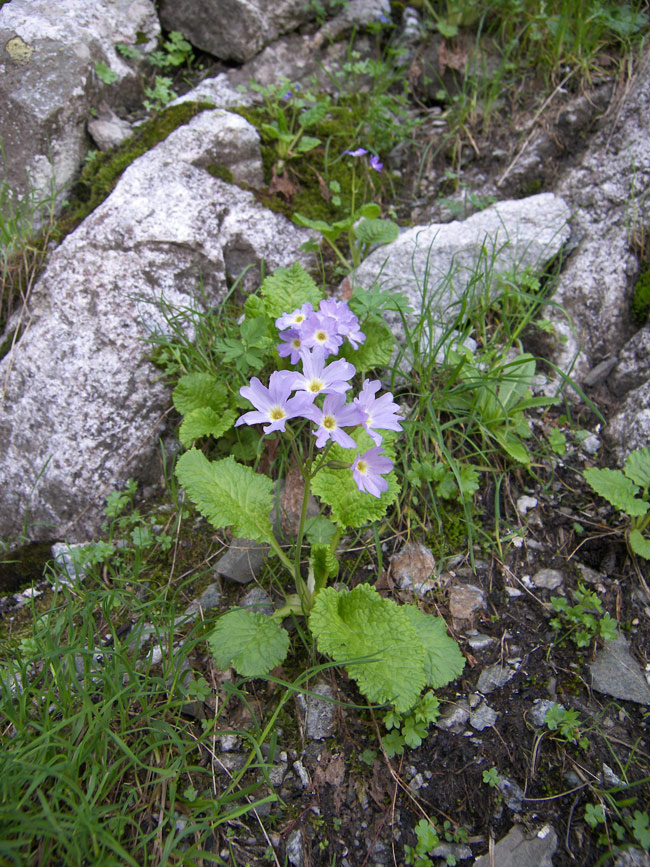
(337, 488)
(314, 115)
(307, 143)
(319, 530)
(641, 828)
(375, 300)
(287, 289)
(637, 467)
(443, 661)
(377, 351)
(639, 544)
(205, 422)
(323, 565)
(197, 390)
(360, 623)
(331, 233)
(376, 231)
(370, 211)
(250, 641)
(469, 481)
(228, 494)
(518, 375)
(557, 441)
(513, 446)
(617, 489)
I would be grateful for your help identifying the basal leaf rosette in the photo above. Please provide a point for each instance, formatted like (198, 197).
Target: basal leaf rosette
(287, 289)
(250, 641)
(228, 494)
(338, 489)
(443, 660)
(361, 624)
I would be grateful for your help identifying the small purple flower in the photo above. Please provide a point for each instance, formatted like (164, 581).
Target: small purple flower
(321, 331)
(296, 318)
(359, 152)
(319, 378)
(291, 346)
(334, 415)
(273, 404)
(287, 95)
(384, 19)
(375, 163)
(368, 468)
(347, 323)
(376, 412)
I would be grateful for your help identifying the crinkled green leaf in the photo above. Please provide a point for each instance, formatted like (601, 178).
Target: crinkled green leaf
(197, 390)
(250, 641)
(637, 467)
(228, 494)
(323, 565)
(337, 488)
(287, 289)
(360, 624)
(376, 231)
(443, 660)
(617, 489)
(203, 422)
(639, 544)
(377, 349)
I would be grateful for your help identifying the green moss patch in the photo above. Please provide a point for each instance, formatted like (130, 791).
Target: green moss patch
(640, 300)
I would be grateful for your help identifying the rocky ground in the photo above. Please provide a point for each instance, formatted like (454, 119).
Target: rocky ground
(500, 785)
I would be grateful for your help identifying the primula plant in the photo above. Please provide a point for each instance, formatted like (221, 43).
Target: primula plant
(343, 443)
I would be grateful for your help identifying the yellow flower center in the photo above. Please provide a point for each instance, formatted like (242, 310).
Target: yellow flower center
(299, 318)
(295, 343)
(316, 385)
(362, 467)
(277, 413)
(321, 336)
(329, 422)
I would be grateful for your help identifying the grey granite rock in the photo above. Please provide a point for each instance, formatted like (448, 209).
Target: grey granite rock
(48, 81)
(520, 848)
(614, 672)
(83, 406)
(436, 265)
(232, 29)
(494, 677)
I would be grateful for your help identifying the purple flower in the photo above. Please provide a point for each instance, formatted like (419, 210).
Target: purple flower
(321, 331)
(317, 377)
(287, 95)
(376, 412)
(296, 318)
(359, 152)
(368, 468)
(334, 415)
(291, 346)
(347, 323)
(273, 404)
(375, 163)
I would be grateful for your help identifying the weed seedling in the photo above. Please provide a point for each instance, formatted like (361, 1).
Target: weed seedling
(583, 621)
(622, 489)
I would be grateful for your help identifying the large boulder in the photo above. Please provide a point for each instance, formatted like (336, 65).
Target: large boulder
(49, 81)
(232, 29)
(607, 193)
(83, 407)
(437, 265)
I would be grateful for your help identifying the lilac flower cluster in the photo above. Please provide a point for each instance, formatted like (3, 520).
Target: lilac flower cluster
(308, 338)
